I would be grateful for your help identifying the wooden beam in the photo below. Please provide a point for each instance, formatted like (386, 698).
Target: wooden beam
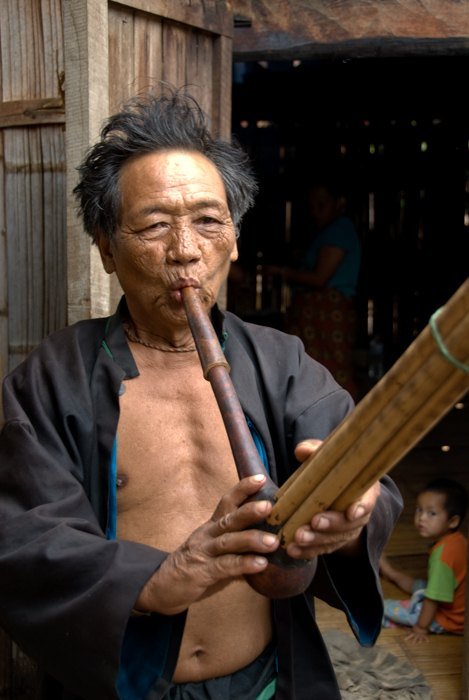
(49, 110)
(3, 279)
(287, 29)
(211, 15)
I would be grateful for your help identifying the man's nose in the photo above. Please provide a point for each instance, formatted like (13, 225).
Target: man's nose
(183, 246)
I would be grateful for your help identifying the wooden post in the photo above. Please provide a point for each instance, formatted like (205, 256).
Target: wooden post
(3, 283)
(87, 105)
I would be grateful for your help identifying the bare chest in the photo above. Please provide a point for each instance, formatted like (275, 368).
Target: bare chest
(174, 458)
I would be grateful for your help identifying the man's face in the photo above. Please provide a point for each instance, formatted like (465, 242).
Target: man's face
(174, 230)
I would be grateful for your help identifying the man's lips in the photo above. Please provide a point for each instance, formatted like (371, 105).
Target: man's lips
(176, 287)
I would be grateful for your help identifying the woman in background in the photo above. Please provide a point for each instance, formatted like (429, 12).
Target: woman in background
(324, 286)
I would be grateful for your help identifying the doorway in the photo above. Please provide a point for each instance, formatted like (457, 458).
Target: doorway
(396, 129)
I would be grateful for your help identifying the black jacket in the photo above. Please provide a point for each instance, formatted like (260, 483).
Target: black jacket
(66, 592)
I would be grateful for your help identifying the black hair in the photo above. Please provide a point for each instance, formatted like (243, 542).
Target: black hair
(171, 120)
(456, 497)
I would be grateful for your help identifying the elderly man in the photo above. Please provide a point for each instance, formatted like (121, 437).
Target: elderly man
(125, 532)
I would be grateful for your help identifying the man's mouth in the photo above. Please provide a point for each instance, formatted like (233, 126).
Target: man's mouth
(177, 286)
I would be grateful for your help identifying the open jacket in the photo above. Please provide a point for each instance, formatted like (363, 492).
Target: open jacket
(67, 590)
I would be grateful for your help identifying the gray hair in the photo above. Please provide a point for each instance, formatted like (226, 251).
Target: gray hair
(147, 124)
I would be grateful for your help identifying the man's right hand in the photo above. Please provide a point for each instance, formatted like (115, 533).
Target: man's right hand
(225, 547)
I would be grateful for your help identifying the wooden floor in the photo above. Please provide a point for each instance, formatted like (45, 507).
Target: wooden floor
(441, 658)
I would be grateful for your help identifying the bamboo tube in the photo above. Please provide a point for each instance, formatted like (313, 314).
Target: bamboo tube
(216, 371)
(284, 576)
(421, 387)
(413, 361)
(339, 490)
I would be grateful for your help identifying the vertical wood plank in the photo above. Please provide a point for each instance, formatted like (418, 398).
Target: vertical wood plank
(30, 176)
(148, 51)
(121, 56)
(54, 226)
(31, 45)
(221, 87)
(21, 186)
(221, 107)
(200, 68)
(174, 54)
(87, 105)
(3, 277)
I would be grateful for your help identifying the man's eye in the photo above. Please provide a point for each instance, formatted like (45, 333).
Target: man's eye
(208, 221)
(155, 228)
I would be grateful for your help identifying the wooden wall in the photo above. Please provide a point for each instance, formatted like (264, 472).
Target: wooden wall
(65, 64)
(32, 177)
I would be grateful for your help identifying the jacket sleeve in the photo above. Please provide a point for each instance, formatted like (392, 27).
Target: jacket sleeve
(66, 592)
(351, 584)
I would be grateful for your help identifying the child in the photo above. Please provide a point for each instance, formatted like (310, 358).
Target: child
(436, 605)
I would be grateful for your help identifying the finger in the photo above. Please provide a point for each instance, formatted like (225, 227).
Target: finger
(318, 546)
(246, 516)
(246, 541)
(236, 565)
(239, 493)
(332, 521)
(363, 506)
(306, 448)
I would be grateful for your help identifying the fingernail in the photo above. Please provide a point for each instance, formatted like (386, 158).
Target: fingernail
(359, 512)
(260, 561)
(323, 524)
(257, 478)
(262, 507)
(269, 539)
(306, 537)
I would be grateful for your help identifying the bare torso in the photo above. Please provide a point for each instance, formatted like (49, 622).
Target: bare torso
(174, 464)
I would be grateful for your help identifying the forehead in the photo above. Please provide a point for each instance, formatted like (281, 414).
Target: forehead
(430, 499)
(172, 173)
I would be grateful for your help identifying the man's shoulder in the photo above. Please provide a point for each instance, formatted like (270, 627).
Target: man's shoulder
(268, 345)
(65, 345)
(258, 333)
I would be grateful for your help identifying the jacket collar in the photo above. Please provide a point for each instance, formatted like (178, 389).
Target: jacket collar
(115, 342)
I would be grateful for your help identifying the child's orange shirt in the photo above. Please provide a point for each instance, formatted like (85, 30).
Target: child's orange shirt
(447, 568)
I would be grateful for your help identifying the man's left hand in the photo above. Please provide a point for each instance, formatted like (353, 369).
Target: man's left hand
(332, 530)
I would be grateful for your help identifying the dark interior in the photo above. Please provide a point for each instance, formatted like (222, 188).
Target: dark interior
(396, 129)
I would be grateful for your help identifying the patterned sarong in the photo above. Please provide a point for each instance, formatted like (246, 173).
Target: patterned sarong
(326, 322)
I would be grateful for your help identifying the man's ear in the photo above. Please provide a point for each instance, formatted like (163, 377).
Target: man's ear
(105, 250)
(234, 253)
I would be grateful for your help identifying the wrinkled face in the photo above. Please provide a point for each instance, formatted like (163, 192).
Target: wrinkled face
(431, 518)
(174, 230)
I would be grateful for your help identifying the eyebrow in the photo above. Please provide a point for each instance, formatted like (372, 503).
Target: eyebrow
(199, 204)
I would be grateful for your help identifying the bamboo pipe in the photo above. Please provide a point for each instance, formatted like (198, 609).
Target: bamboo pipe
(284, 576)
(341, 486)
(410, 411)
(389, 404)
(418, 390)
